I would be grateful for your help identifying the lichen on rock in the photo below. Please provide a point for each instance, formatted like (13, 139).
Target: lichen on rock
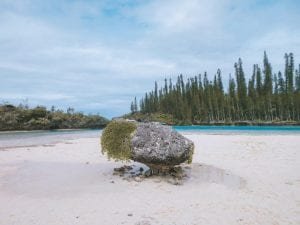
(160, 147)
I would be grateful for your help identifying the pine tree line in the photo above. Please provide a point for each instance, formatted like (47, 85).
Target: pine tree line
(267, 96)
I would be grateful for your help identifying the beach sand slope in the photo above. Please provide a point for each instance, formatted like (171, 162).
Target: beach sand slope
(234, 179)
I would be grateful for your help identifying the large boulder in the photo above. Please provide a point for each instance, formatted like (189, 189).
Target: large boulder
(158, 146)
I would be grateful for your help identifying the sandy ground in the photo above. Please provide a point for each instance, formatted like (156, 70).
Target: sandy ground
(235, 179)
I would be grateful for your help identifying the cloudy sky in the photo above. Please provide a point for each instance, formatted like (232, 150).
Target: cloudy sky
(96, 56)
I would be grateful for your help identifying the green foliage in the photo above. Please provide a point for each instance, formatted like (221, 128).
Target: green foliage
(134, 106)
(266, 97)
(39, 118)
(115, 140)
(150, 117)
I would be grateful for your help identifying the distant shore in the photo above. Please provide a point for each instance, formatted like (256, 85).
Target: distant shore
(249, 123)
(170, 120)
(23, 118)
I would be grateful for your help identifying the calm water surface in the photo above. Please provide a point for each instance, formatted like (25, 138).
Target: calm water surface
(247, 130)
(32, 138)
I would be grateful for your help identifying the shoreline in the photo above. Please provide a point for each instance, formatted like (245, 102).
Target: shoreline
(49, 144)
(47, 130)
(216, 124)
(9, 140)
(15, 139)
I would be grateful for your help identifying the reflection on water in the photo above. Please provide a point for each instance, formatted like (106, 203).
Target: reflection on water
(202, 173)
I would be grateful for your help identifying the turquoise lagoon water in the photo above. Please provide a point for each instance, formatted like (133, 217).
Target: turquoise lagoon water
(33, 138)
(254, 130)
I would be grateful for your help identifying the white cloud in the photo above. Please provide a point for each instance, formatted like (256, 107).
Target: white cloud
(39, 96)
(175, 16)
(78, 52)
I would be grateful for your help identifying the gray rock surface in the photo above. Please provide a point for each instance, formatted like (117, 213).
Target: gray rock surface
(159, 146)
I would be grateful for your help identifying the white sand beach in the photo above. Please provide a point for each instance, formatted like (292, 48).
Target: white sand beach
(235, 179)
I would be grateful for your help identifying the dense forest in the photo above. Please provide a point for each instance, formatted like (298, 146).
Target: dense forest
(40, 118)
(266, 97)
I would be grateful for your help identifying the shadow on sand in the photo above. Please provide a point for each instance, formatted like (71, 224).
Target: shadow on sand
(57, 179)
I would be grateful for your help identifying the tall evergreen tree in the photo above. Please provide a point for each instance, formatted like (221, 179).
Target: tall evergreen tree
(241, 89)
(267, 76)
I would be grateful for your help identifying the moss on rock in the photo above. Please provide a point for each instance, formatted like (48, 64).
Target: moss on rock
(116, 140)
